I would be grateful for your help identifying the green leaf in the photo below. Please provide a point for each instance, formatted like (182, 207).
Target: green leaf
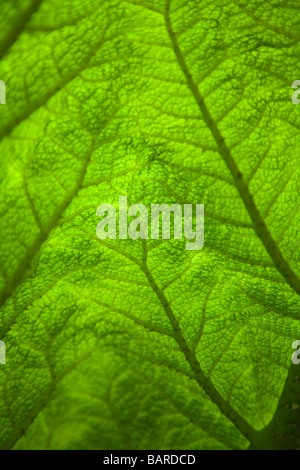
(141, 344)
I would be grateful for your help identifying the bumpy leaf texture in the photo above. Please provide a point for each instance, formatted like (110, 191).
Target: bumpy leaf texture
(141, 344)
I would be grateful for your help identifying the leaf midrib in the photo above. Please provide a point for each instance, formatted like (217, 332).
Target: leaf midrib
(44, 234)
(19, 28)
(259, 224)
(241, 424)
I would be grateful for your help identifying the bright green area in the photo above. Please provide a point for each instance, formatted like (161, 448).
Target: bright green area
(178, 101)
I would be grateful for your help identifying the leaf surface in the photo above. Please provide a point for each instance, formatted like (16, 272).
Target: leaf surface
(111, 343)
